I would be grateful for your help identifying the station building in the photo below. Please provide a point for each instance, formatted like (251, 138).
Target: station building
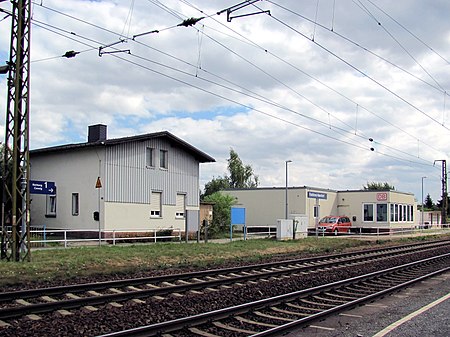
(368, 210)
(141, 182)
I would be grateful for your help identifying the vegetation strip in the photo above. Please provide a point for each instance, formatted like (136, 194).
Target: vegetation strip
(107, 262)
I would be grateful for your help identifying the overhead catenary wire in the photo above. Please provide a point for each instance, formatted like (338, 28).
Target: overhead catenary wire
(322, 83)
(410, 32)
(359, 71)
(178, 16)
(399, 43)
(241, 104)
(358, 45)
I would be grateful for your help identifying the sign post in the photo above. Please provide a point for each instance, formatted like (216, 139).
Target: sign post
(42, 187)
(318, 196)
(237, 218)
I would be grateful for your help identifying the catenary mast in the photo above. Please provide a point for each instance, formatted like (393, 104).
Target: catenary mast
(15, 240)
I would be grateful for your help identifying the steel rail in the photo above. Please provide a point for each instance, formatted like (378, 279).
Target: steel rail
(322, 260)
(37, 308)
(181, 323)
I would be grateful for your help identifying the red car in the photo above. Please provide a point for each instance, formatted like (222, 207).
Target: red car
(335, 225)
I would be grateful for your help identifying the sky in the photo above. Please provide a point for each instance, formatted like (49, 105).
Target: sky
(350, 91)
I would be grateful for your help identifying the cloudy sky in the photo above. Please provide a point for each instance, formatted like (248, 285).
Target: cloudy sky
(313, 82)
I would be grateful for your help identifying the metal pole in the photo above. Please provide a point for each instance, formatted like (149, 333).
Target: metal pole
(444, 191)
(286, 191)
(421, 213)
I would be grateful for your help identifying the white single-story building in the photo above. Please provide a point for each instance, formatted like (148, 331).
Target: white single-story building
(367, 209)
(141, 182)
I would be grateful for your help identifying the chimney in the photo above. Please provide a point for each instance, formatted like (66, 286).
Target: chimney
(96, 133)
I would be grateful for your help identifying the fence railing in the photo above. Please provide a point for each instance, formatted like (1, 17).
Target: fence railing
(383, 231)
(270, 231)
(258, 231)
(43, 236)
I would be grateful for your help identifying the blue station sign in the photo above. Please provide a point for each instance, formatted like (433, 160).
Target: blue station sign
(42, 187)
(317, 195)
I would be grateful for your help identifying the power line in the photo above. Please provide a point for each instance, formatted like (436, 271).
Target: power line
(410, 32)
(398, 42)
(133, 55)
(319, 81)
(359, 71)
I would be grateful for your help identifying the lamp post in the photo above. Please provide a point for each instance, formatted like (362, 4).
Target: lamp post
(421, 213)
(286, 195)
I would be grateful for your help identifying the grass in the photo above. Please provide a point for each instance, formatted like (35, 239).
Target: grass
(87, 261)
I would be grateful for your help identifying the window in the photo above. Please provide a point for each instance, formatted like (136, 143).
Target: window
(75, 204)
(149, 157)
(179, 208)
(396, 213)
(50, 208)
(155, 205)
(381, 212)
(405, 211)
(368, 212)
(411, 213)
(316, 211)
(392, 212)
(163, 159)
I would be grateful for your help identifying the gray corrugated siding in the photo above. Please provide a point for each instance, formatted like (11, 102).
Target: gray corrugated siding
(128, 180)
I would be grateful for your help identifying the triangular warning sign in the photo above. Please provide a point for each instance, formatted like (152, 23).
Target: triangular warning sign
(98, 184)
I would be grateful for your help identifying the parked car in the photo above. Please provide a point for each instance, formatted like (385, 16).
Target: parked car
(335, 225)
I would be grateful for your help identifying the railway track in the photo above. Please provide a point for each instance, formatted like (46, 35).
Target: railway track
(276, 315)
(38, 301)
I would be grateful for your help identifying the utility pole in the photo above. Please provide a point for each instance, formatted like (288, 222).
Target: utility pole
(15, 238)
(444, 191)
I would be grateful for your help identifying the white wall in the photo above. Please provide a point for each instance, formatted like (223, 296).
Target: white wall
(72, 172)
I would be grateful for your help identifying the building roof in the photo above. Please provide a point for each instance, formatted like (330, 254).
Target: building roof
(199, 155)
(314, 189)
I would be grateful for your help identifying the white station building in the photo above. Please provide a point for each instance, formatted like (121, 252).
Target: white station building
(141, 182)
(368, 210)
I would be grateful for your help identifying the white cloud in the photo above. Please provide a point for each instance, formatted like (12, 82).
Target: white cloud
(280, 106)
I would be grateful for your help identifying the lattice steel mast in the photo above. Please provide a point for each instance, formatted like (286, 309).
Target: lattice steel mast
(15, 239)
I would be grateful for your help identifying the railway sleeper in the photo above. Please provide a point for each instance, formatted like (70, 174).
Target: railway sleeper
(252, 322)
(326, 299)
(300, 307)
(233, 328)
(288, 312)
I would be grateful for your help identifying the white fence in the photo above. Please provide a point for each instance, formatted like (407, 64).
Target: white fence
(43, 237)
(270, 231)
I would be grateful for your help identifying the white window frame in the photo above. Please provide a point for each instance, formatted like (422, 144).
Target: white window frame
(149, 157)
(386, 212)
(396, 214)
(163, 159)
(316, 211)
(75, 204)
(50, 206)
(373, 212)
(392, 212)
(180, 206)
(155, 204)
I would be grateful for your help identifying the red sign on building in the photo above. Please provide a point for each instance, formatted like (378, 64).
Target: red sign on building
(382, 196)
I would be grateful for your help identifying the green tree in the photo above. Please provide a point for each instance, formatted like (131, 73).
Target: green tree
(377, 186)
(216, 185)
(222, 213)
(439, 205)
(428, 202)
(241, 176)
